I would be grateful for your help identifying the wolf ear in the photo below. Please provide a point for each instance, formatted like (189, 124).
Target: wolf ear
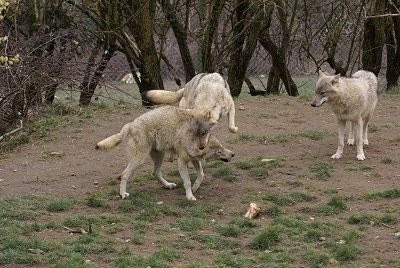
(210, 117)
(190, 112)
(321, 73)
(335, 80)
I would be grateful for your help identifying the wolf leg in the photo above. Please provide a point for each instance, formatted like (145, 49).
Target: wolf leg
(341, 126)
(231, 119)
(184, 172)
(350, 140)
(158, 158)
(365, 130)
(133, 164)
(200, 175)
(359, 137)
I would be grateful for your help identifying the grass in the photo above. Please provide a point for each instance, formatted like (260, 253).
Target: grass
(306, 220)
(282, 138)
(387, 194)
(322, 170)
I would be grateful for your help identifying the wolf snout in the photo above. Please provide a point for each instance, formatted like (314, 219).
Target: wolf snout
(229, 157)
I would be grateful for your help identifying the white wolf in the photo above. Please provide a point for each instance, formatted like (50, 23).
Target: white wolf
(205, 93)
(351, 99)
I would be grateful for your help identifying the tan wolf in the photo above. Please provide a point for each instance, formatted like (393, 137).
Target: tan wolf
(163, 130)
(204, 93)
(351, 99)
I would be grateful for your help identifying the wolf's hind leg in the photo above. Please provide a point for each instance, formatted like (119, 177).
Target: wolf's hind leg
(339, 151)
(365, 130)
(200, 175)
(158, 158)
(350, 140)
(359, 139)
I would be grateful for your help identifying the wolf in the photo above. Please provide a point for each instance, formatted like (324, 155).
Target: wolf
(168, 129)
(351, 99)
(205, 92)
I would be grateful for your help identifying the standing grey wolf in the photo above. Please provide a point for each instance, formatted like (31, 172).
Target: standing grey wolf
(351, 99)
(163, 130)
(204, 93)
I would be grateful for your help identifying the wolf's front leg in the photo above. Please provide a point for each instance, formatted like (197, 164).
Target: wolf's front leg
(339, 151)
(122, 186)
(231, 120)
(359, 140)
(350, 140)
(133, 164)
(184, 172)
(200, 175)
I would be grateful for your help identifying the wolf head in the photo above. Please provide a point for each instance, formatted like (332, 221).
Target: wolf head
(215, 151)
(201, 125)
(325, 88)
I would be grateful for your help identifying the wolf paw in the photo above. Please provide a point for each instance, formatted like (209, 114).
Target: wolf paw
(191, 198)
(350, 142)
(169, 185)
(360, 157)
(365, 142)
(124, 195)
(336, 156)
(233, 129)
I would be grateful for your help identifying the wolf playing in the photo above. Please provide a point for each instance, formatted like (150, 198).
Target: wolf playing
(205, 93)
(171, 130)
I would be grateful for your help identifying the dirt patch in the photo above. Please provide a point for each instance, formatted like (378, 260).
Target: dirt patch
(66, 164)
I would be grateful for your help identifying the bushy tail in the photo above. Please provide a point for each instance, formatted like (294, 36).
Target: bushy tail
(113, 140)
(163, 96)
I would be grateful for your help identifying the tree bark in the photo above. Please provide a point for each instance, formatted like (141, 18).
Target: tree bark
(208, 65)
(374, 39)
(89, 84)
(181, 38)
(393, 51)
(279, 67)
(247, 24)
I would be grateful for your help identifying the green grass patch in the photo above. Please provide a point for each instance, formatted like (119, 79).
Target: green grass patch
(322, 170)
(335, 205)
(387, 194)
(225, 172)
(312, 135)
(266, 239)
(60, 205)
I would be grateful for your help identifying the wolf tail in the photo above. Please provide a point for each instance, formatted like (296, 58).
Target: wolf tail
(163, 96)
(113, 140)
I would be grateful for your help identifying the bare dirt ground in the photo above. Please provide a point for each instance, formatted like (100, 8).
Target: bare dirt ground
(82, 169)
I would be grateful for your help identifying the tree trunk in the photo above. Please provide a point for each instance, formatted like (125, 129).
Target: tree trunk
(279, 67)
(209, 35)
(89, 85)
(393, 52)
(374, 39)
(246, 27)
(181, 38)
(141, 27)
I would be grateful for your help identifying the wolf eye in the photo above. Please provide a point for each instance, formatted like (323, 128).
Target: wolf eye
(203, 133)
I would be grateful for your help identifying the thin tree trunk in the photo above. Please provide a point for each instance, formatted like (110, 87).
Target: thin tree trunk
(88, 88)
(374, 39)
(181, 38)
(393, 53)
(207, 62)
